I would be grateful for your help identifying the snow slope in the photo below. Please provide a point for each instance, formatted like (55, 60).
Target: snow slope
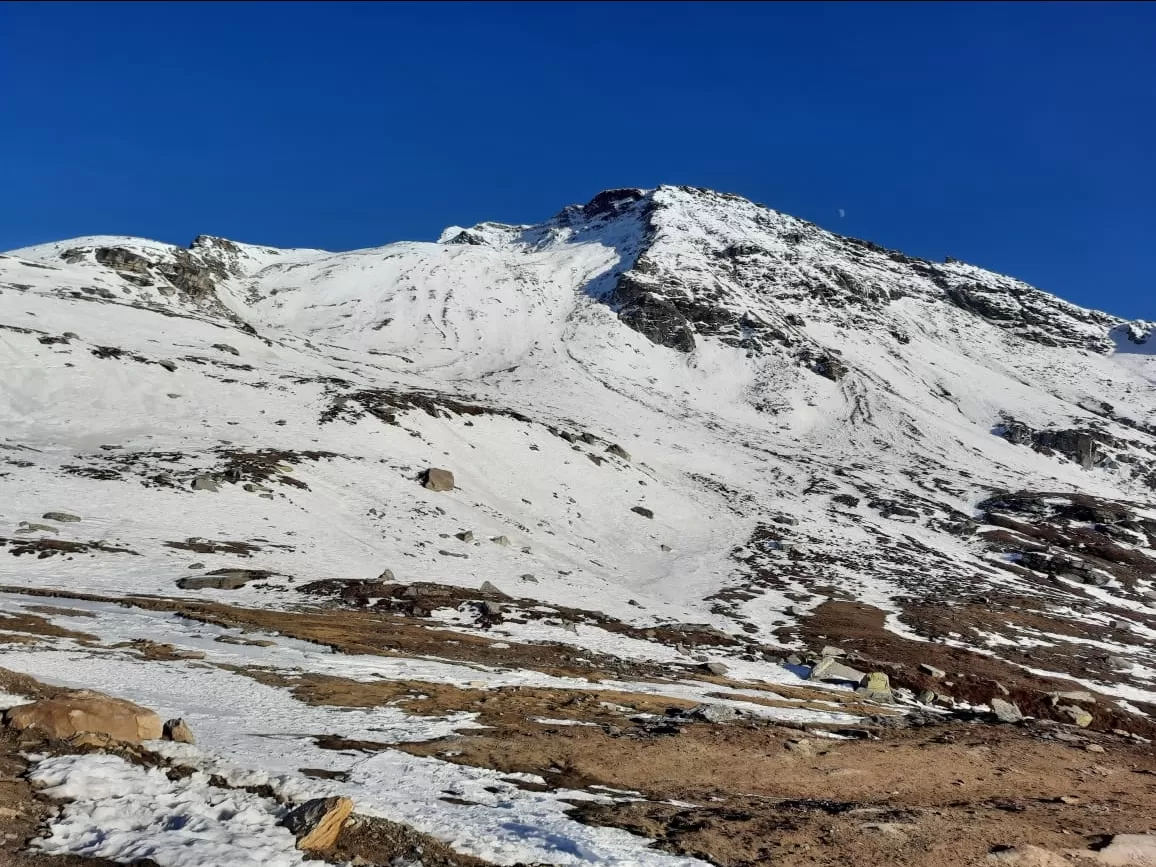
(807, 417)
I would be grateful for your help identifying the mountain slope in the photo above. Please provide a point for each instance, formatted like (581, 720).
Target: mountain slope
(677, 407)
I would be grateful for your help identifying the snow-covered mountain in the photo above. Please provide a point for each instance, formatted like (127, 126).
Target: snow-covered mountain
(675, 404)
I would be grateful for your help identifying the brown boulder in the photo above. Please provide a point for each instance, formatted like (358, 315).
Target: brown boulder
(178, 730)
(86, 711)
(317, 823)
(438, 480)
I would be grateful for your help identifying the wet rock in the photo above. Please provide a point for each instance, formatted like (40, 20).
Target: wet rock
(317, 823)
(60, 517)
(86, 711)
(618, 451)
(438, 480)
(177, 730)
(642, 510)
(1076, 714)
(1005, 711)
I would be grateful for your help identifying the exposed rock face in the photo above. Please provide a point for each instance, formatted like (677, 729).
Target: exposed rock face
(656, 319)
(87, 712)
(317, 823)
(1084, 447)
(119, 259)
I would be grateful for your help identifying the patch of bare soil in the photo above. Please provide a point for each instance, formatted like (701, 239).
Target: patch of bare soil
(19, 629)
(762, 794)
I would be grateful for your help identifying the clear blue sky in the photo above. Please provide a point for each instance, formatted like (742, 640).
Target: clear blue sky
(1017, 137)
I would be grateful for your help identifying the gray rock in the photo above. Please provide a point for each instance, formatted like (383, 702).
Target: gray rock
(1077, 715)
(875, 686)
(60, 517)
(654, 317)
(1005, 711)
(937, 673)
(715, 713)
(618, 451)
(663, 547)
(1081, 695)
(221, 579)
(206, 482)
(927, 696)
(716, 668)
(487, 587)
(438, 480)
(501, 540)
(832, 651)
(446, 553)
(529, 578)
(386, 575)
(224, 347)
(25, 527)
(170, 366)
(467, 536)
(1119, 663)
(829, 669)
(570, 626)
(491, 609)
(642, 510)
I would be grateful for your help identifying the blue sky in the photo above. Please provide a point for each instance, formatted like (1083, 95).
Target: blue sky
(1019, 137)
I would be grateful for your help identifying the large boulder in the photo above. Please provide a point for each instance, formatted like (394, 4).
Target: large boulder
(317, 823)
(86, 711)
(436, 479)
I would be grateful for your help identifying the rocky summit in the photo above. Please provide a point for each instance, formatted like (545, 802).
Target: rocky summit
(626, 497)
